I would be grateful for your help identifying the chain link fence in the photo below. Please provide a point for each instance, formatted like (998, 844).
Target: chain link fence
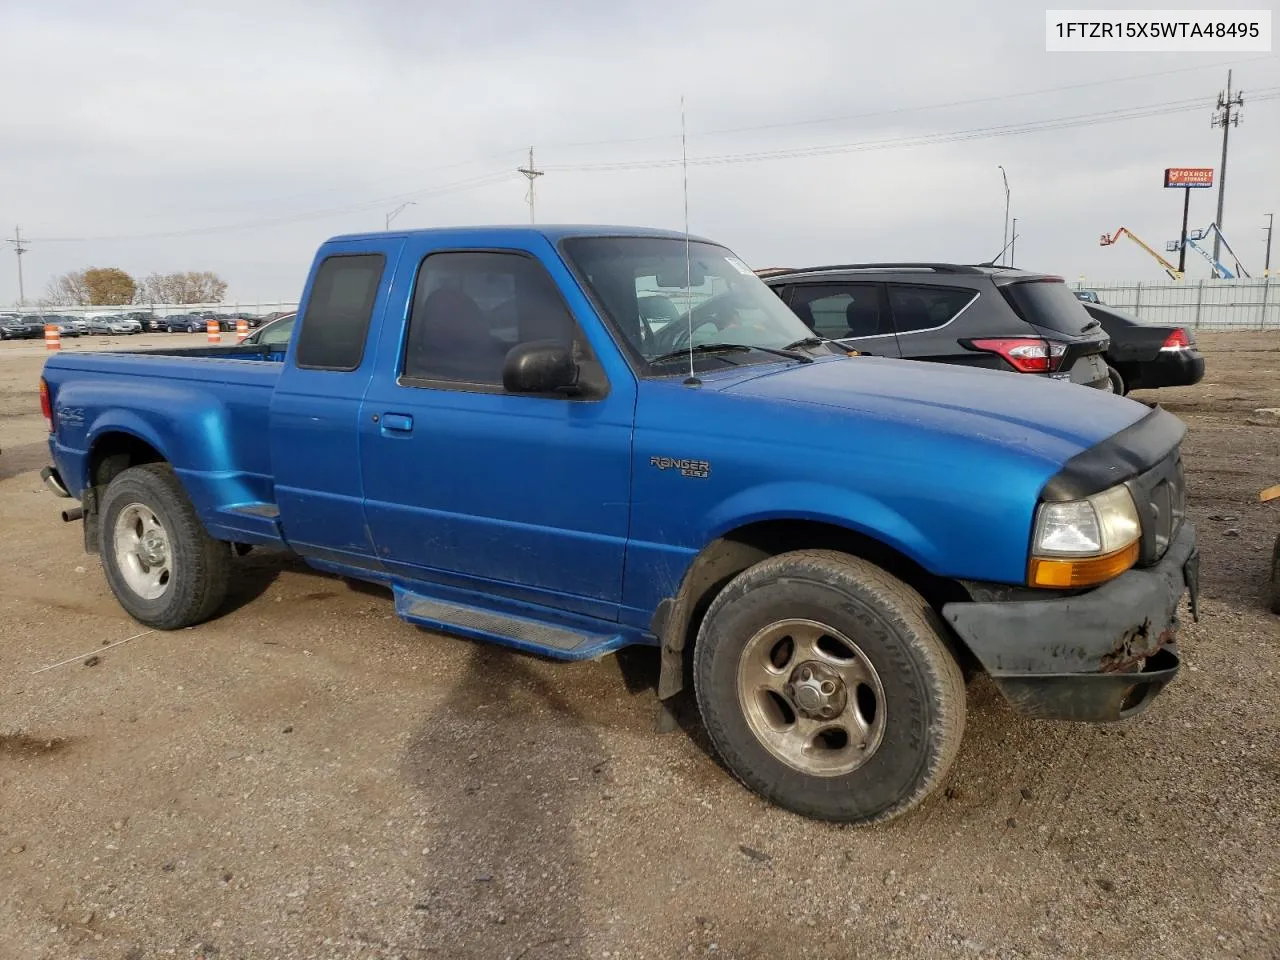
(256, 309)
(1200, 304)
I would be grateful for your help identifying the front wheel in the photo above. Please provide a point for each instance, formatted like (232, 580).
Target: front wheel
(165, 570)
(1275, 578)
(827, 687)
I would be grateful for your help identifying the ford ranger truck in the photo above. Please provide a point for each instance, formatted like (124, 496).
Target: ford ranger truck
(569, 440)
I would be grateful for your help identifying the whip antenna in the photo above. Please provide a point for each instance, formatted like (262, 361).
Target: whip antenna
(688, 259)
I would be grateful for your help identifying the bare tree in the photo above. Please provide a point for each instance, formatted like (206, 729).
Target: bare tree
(68, 290)
(189, 287)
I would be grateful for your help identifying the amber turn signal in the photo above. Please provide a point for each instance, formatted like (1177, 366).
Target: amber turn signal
(1068, 573)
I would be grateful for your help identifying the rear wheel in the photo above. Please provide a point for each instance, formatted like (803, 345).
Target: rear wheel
(1117, 382)
(165, 570)
(827, 687)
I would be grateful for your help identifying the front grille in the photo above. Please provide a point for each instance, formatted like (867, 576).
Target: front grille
(1160, 495)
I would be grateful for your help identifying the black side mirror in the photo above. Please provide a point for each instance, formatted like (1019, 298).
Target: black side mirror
(540, 366)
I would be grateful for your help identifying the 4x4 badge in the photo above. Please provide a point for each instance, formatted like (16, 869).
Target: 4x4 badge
(699, 469)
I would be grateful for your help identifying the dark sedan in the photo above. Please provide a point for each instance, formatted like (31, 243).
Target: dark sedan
(1143, 356)
(13, 329)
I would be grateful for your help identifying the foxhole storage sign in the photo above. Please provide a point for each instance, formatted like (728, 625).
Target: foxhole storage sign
(1188, 177)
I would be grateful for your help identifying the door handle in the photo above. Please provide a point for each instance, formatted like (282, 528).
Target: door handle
(397, 422)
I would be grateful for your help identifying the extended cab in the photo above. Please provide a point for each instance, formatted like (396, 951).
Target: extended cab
(570, 440)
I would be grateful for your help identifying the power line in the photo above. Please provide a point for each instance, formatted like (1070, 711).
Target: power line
(471, 183)
(791, 153)
(977, 133)
(1224, 118)
(893, 111)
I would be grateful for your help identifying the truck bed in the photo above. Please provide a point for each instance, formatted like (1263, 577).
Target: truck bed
(202, 409)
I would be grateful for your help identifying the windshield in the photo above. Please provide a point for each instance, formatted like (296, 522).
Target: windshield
(655, 298)
(276, 333)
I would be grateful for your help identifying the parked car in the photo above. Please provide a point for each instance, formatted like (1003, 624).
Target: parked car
(1144, 356)
(184, 323)
(821, 539)
(99, 325)
(14, 328)
(992, 317)
(120, 325)
(67, 326)
(26, 327)
(273, 334)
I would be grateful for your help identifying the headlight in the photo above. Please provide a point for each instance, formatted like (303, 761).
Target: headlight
(1079, 543)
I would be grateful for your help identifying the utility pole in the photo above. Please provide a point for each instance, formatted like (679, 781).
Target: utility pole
(1266, 270)
(1013, 244)
(1224, 117)
(1005, 243)
(19, 248)
(530, 173)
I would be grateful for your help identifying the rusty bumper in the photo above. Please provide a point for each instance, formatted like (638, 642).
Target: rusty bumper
(1101, 655)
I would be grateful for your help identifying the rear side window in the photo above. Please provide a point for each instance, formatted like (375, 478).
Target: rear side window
(1049, 304)
(926, 307)
(336, 324)
(840, 311)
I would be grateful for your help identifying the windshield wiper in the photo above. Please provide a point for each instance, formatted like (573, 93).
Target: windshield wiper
(806, 342)
(702, 348)
(712, 348)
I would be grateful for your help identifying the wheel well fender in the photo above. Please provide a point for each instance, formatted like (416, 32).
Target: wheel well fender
(677, 620)
(112, 450)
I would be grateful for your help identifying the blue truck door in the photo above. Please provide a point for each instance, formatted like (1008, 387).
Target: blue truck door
(316, 405)
(474, 487)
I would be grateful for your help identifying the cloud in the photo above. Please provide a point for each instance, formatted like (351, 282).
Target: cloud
(236, 136)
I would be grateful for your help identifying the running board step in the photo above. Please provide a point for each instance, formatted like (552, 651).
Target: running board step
(267, 511)
(521, 632)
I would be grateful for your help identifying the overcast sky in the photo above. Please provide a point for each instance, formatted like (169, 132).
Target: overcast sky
(235, 136)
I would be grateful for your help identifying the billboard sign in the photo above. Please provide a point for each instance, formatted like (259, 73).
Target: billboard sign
(1188, 177)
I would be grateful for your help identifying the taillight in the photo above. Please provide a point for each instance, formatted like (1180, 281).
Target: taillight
(1178, 340)
(1025, 354)
(46, 408)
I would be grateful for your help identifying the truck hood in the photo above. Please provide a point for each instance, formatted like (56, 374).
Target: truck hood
(1042, 417)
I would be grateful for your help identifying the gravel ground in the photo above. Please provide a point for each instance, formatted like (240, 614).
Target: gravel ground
(307, 776)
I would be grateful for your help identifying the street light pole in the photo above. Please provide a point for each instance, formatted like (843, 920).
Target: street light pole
(1005, 177)
(397, 211)
(1013, 243)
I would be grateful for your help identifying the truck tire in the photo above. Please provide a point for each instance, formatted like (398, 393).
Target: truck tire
(165, 570)
(1275, 577)
(827, 687)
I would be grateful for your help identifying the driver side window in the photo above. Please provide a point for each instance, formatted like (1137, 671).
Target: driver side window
(471, 307)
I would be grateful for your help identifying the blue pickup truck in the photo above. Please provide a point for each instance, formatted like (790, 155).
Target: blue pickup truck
(573, 439)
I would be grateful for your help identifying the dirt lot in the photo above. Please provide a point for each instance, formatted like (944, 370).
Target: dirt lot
(307, 776)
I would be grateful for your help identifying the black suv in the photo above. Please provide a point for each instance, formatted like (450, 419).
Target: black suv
(994, 317)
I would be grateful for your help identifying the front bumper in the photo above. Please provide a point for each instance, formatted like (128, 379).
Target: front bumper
(1099, 656)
